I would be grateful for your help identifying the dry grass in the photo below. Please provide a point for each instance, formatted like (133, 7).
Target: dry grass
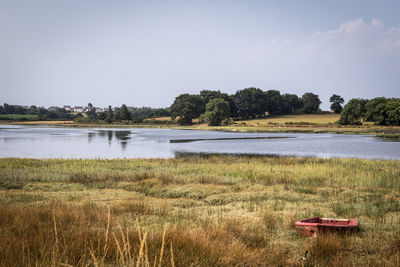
(158, 119)
(295, 119)
(218, 211)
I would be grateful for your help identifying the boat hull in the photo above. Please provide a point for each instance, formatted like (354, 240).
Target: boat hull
(312, 226)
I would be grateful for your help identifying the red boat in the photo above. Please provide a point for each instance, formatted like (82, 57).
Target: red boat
(310, 227)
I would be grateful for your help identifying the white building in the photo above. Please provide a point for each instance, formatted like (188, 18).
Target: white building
(78, 109)
(67, 108)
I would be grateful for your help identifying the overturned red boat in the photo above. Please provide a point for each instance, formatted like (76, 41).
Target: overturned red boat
(310, 227)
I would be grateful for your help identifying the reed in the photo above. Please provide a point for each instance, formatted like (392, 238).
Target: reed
(216, 211)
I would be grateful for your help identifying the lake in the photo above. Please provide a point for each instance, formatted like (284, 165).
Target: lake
(108, 143)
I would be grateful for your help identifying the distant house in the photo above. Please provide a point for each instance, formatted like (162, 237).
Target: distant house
(53, 108)
(78, 109)
(67, 108)
(98, 109)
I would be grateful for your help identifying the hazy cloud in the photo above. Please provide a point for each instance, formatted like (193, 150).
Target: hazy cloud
(357, 59)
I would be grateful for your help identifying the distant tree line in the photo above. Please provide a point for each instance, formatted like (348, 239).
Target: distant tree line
(217, 108)
(380, 110)
(123, 113)
(244, 104)
(40, 112)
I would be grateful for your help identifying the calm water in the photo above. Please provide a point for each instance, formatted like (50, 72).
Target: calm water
(58, 142)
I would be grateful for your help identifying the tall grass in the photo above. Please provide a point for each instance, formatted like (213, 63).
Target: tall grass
(217, 211)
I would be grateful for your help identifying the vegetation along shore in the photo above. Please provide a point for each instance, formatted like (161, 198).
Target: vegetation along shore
(306, 123)
(211, 211)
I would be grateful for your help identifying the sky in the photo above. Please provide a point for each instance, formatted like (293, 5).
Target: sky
(145, 53)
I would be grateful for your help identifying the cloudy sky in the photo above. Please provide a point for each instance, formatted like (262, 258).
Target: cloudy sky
(145, 53)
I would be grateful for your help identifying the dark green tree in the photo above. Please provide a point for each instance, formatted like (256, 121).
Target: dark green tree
(110, 115)
(62, 114)
(208, 95)
(9, 109)
(186, 107)
(273, 101)
(375, 110)
(124, 113)
(91, 113)
(250, 102)
(117, 114)
(33, 110)
(217, 110)
(290, 103)
(337, 102)
(353, 112)
(311, 102)
(89, 105)
(102, 115)
(392, 109)
(42, 112)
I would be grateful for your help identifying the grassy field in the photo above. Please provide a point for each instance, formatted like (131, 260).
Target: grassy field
(217, 211)
(305, 119)
(18, 116)
(42, 123)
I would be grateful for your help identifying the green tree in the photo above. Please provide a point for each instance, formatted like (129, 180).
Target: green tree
(110, 115)
(375, 110)
(208, 95)
(91, 113)
(102, 115)
(250, 102)
(392, 109)
(273, 101)
(117, 114)
(9, 109)
(33, 110)
(186, 107)
(353, 112)
(63, 114)
(311, 102)
(217, 110)
(337, 102)
(124, 113)
(290, 103)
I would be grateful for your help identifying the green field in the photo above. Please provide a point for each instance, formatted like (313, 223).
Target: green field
(217, 211)
(18, 116)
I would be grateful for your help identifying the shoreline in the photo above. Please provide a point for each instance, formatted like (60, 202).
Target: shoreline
(379, 131)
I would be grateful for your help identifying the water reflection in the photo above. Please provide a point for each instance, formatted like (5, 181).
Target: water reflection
(124, 137)
(56, 142)
(388, 138)
(109, 136)
(90, 136)
(121, 135)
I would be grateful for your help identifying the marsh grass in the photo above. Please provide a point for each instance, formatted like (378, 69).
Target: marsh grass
(216, 211)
